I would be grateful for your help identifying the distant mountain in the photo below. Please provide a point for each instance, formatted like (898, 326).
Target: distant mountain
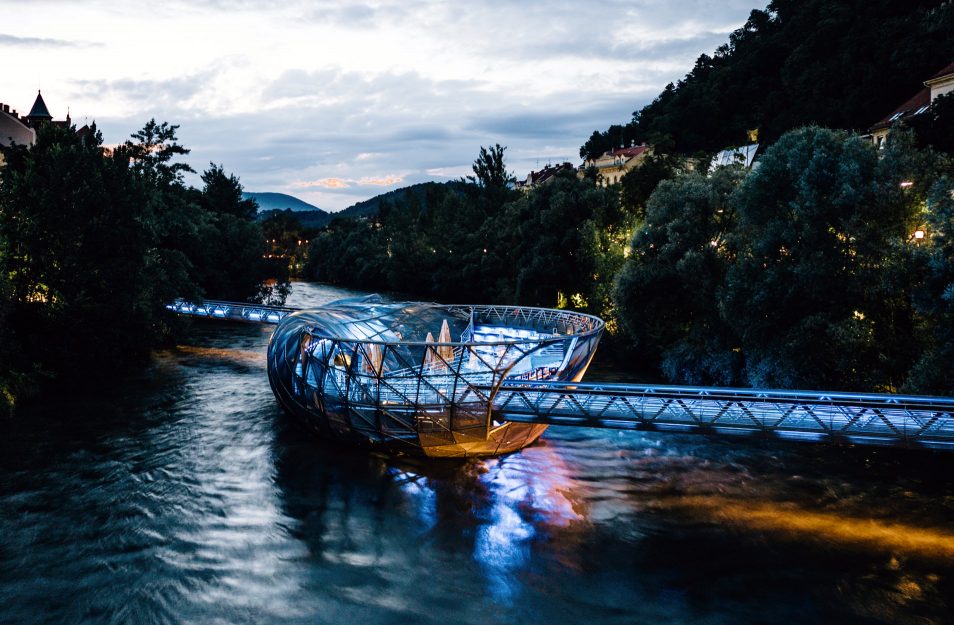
(397, 196)
(280, 201)
(312, 217)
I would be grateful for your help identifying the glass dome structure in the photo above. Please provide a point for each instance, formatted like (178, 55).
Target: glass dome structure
(370, 372)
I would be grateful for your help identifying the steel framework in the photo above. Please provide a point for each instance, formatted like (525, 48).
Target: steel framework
(232, 311)
(905, 420)
(352, 374)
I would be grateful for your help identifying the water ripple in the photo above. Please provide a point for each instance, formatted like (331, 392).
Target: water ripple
(185, 496)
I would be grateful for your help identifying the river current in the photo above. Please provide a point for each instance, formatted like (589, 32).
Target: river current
(185, 495)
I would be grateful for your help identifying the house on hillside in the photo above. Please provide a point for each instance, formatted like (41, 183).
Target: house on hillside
(544, 176)
(22, 130)
(939, 84)
(615, 164)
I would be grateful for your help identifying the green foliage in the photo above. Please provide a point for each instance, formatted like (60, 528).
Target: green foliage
(934, 298)
(94, 244)
(935, 127)
(562, 238)
(666, 291)
(489, 168)
(820, 244)
(836, 64)
(77, 223)
(639, 184)
(152, 151)
(805, 274)
(484, 242)
(222, 195)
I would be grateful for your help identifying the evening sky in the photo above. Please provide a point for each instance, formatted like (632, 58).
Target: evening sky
(335, 102)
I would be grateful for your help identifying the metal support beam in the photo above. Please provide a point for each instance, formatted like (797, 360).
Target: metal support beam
(819, 416)
(232, 311)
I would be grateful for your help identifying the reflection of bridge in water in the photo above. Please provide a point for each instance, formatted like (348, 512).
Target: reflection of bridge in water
(814, 416)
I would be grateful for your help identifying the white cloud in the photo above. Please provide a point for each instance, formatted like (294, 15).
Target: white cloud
(327, 183)
(352, 98)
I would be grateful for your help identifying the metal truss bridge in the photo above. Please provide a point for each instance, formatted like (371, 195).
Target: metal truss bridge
(231, 311)
(812, 416)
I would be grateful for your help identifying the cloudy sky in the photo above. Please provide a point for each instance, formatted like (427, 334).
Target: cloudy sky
(335, 102)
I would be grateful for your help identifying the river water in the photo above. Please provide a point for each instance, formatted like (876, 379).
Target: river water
(185, 495)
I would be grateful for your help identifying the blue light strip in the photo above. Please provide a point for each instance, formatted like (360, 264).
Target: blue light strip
(814, 416)
(231, 311)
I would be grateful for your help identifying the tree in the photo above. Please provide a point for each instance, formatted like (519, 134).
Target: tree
(490, 170)
(228, 263)
(820, 253)
(152, 150)
(94, 244)
(886, 47)
(935, 127)
(639, 184)
(666, 292)
(222, 194)
(79, 265)
(934, 298)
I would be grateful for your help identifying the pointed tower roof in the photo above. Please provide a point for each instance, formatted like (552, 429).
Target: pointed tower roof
(39, 110)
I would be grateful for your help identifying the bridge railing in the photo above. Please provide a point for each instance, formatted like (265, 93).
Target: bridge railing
(801, 415)
(233, 311)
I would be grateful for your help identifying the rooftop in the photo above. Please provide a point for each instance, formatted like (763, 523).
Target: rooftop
(39, 109)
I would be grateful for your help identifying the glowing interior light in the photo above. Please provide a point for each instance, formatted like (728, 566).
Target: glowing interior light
(919, 234)
(907, 184)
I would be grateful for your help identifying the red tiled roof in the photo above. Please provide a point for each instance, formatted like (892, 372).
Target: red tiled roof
(630, 152)
(944, 72)
(920, 99)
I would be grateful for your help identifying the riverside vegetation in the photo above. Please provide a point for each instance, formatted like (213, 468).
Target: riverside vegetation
(802, 273)
(95, 242)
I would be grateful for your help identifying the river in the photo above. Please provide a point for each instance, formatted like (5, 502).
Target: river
(185, 495)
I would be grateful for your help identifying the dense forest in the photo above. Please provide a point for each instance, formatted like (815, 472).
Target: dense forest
(94, 243)
(839, 64)
(804, 272)
(481, 240)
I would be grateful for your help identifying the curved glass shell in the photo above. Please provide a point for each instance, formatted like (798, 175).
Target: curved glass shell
(370, 372)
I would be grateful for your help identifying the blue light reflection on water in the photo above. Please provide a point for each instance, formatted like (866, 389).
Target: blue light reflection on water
(188, 497)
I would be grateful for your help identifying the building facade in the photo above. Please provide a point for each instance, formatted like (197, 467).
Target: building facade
(615, 164)
(21, 130)
(544, 176)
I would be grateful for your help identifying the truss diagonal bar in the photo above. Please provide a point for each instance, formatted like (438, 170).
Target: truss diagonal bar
(802, 415)
(231, 311)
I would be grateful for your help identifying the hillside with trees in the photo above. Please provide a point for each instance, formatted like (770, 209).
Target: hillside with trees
(481, 240)
(802, 273)
(798, 62)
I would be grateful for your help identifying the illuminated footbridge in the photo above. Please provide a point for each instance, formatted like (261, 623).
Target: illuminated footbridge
(813, 416)
(362, 371)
